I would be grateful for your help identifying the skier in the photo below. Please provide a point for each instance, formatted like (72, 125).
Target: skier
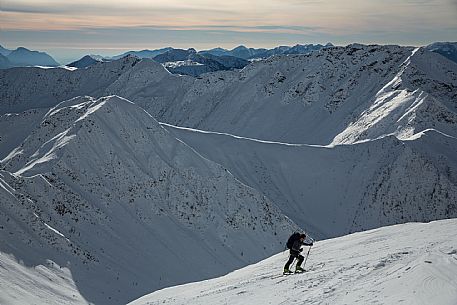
(294, 243)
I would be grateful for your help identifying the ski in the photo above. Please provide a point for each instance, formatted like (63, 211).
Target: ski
(315, 267)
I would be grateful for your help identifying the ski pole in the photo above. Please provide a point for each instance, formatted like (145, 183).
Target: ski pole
(306, 257)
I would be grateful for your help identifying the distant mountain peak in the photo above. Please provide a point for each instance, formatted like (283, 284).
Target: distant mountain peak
(25, 57)
(84, 62)
(24, 49)
(240, 47)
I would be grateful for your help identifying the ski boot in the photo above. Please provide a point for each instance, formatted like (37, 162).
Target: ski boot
(299, 269)
(287, 271)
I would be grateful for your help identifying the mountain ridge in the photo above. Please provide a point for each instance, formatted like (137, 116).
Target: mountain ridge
(97, 172)
(381, 177)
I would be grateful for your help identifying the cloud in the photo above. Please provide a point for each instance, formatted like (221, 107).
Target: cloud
(102, 8)
(263, 22)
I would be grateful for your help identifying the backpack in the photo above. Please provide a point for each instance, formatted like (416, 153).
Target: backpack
(292, 239)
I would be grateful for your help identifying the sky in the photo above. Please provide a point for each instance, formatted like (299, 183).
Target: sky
(69, 29)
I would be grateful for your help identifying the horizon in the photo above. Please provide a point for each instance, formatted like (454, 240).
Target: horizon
(77, 54)
(67, 31)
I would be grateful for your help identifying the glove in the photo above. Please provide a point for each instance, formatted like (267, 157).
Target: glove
(311, 244)
(301, 249)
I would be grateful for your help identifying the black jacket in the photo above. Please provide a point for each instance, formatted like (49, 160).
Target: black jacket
(295, 250)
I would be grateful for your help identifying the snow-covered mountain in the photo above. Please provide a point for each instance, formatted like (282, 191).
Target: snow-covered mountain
(176, 61)
(174, 55)
(101, 195)
(307, 48)
(336, 95)
(86, 61)
(91, 186)
(229, 62)
(31, 88)
(189, 62)
(447, 49)
(403, 264)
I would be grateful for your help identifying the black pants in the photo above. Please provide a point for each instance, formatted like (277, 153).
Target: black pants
(292, 256)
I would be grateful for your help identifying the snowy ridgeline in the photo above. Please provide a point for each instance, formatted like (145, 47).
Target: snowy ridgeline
(336, 95)
(101, 190)
(402, 264)
(335, 190)
(100, 203)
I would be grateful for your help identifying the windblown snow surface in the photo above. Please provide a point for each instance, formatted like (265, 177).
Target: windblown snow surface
(411, 264)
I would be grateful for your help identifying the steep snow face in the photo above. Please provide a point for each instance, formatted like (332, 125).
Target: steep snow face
(102, 196)
(15, 127)
(332, 191)
(403, 264)
(420, 96)
(152, 86)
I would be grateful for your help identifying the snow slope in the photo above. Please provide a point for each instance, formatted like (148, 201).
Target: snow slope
(16, 127)
(100, 204)
(336, 190)
(413, 263)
